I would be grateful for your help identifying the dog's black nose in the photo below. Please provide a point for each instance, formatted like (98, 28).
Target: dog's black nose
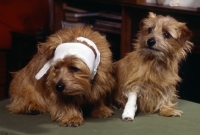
(151, 42)
(60, 86)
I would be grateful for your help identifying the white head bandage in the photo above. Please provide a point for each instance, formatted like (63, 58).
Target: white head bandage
(79, 50)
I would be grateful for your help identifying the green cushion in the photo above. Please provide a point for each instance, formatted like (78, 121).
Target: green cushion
(143, 124)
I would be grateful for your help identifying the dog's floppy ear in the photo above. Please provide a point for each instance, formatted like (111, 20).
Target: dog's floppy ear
(46, 50)
(186, 34)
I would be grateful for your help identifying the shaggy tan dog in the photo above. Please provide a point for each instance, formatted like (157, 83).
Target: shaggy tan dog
(147, 77)
(71, 71)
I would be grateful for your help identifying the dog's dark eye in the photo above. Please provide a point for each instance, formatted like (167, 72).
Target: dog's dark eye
(150, 29)
(73, 69)
(166, 34)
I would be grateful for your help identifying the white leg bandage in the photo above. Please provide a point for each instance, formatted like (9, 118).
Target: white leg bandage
(131, 107)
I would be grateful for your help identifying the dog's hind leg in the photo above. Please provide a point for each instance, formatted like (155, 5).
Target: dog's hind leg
(19, 107)
(26, 100)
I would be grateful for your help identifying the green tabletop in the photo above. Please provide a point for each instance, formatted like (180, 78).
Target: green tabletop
(143, 124)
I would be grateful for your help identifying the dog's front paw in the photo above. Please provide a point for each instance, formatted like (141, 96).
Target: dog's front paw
(170, 112)
(72, 122)
(102, 112)
(128, 116)
(127, 119)
(129, 113)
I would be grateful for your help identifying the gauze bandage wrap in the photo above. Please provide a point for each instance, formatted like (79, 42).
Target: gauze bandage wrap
(79, 50)
(130, 107)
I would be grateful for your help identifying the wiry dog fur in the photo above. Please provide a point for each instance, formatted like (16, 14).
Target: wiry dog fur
(29, 96)
(151, 70)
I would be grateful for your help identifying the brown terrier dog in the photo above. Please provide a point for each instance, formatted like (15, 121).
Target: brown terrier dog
(72, 70)
(150, 73)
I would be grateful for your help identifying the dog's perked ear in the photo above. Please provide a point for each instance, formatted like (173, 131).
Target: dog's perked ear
(151, 15)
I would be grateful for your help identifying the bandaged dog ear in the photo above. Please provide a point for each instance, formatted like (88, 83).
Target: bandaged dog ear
(45, 50)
